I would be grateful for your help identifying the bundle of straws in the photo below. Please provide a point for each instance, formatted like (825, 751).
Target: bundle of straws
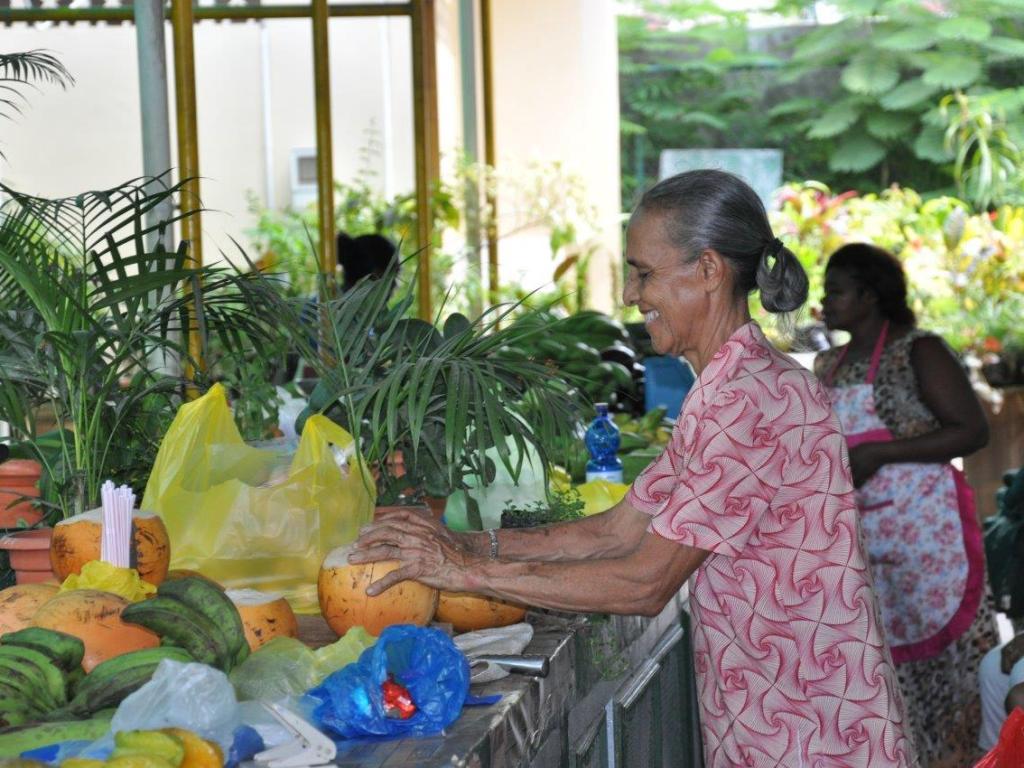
(115, 541)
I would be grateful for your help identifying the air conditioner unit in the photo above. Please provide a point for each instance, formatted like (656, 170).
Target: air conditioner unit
(303, 177)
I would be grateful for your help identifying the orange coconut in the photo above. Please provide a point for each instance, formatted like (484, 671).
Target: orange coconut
(95, 618)
(76, 541)
(264, 616)
(467, 612)
(344, 603)
(19, 604)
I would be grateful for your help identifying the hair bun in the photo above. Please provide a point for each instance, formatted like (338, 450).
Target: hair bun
(781, 279)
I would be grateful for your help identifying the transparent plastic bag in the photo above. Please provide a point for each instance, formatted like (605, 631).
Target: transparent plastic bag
(254, 518)
(286, 667)
(195, 697)
(350, 703)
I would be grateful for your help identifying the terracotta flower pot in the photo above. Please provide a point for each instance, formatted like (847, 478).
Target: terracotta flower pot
(18, 478)
(30, 555)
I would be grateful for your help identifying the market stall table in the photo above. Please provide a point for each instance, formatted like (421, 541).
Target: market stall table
(619, 692)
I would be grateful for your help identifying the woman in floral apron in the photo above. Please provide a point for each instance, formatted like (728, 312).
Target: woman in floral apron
(907, 409)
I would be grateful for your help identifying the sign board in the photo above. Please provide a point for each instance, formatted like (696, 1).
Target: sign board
(760, 168)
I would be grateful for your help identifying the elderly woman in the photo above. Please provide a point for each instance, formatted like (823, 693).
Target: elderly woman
(753, 499)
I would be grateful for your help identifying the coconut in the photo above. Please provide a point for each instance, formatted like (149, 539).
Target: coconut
(19, 604)
(76, 541)
(95, 618)
(467, 612)
(344, 603)
(264, 615)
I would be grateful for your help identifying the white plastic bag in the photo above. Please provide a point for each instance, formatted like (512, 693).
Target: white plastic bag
(195, 697)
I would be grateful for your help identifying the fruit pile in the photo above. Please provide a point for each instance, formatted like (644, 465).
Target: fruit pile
(43, 671)
(194, 614)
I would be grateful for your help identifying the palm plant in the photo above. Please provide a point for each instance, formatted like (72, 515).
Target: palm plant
(94, 320)
(23, 69)
(442, 396)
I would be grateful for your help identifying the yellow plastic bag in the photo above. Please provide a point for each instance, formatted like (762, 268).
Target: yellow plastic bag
(599, 495)
(97, 574)
(252, 518)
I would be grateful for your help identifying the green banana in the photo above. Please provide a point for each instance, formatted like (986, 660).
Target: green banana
(17, 740)
(216, 606)
(183, 625)
(51, 688)
(112, 680)
(65, 650)
(17, 711)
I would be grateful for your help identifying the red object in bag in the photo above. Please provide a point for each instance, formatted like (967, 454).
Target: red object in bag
(397, 700)
(1009, 750)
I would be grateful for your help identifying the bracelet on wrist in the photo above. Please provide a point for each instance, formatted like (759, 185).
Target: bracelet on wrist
(493, 537)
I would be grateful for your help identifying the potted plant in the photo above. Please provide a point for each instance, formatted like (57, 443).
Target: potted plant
(432, 404)
(95, 325)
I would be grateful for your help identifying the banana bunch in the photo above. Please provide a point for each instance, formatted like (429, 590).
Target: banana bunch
(194, 614)
(38, 667)
(111, 681)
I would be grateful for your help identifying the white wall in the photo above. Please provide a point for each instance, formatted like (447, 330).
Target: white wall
(556, 98)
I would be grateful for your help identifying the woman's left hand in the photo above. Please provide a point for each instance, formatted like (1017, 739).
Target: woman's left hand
(865, 461)
(425, 549)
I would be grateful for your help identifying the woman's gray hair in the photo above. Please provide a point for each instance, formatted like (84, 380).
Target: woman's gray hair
(711, 209)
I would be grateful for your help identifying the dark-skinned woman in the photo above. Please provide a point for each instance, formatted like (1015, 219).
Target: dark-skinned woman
(752, 498)
(908, 409)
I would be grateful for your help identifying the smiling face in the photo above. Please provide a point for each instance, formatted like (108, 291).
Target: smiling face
(845, 302)
(668, 291)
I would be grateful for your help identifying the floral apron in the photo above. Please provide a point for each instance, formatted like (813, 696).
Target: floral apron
(923, 538)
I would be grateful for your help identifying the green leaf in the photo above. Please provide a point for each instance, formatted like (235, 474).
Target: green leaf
(835, 120)
(930, 145)
(950, 70)
(794, 107)
(909, 93)
(870, 73)
(823, 41)
(1007, 46)
(856, 153)
(915, 38)
(889, 125)
(967, 28)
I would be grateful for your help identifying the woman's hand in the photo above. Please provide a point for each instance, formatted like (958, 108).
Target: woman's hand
(425, 549)
(865, 460)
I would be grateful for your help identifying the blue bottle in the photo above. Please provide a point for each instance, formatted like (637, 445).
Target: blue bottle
(602, 441)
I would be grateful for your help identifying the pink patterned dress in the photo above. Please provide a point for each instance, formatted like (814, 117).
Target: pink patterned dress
(792, 667)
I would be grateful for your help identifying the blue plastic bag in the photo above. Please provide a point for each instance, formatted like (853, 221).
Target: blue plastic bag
(350, 703)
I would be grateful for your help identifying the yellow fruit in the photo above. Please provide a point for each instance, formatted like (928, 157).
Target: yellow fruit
(468, 612)
(199, 753)
(19, 604)
(76, 541)
(344, 603)
(156, 744)
(95, 618)
(264, 616)
(139, 761)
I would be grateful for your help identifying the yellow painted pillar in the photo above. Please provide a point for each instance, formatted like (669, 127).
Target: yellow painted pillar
(188, 155)
(424, 74)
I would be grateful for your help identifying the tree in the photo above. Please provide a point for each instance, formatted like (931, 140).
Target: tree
(895, 61)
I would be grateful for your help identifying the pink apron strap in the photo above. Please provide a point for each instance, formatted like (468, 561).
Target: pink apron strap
(876, 356)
